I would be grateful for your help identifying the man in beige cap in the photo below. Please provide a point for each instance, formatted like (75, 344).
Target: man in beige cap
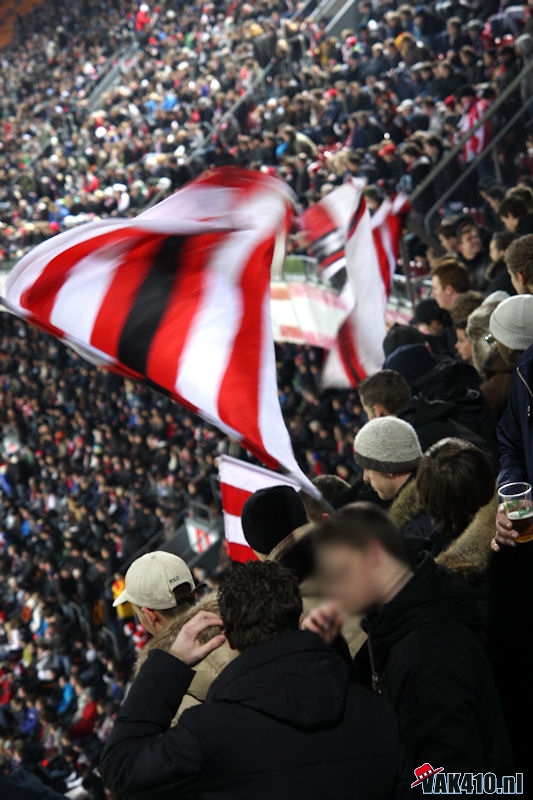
(161, 589)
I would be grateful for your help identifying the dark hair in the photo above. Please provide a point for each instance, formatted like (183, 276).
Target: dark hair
(523, 192)
(358, 524)
(447, 229)
(330, 487)
(496, 191)
(464, 306)
(386, 388)
(451, 272)
(434, 140)
(400, 335)
(411, 149)
(503, 239)
(454, 480)
(512, 206)
(519, 257)
(257, 601)
(185, 600)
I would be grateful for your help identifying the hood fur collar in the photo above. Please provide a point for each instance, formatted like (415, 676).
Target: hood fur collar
(469, 555)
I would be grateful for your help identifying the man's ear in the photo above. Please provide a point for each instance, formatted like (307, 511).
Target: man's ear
(379, 410)
(150, 615)
(522, 279)
(374, 552)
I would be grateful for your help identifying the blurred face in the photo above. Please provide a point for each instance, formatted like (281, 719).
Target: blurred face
(494, 253)
(510, 223)
(438, 292)
(518, 282)
(470, 243)
(382, 484)
(463, 345)
(347, 577)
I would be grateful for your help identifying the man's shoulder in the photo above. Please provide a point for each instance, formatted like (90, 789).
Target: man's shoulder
(526, 360)
(209, 669)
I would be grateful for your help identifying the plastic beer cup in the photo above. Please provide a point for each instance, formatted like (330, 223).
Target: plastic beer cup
(517, 503)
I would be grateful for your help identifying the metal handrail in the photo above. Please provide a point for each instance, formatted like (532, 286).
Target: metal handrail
(489, 113)
(263, 74)
(473, 165)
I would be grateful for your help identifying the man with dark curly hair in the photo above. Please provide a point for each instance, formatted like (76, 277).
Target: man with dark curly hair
(283, 720)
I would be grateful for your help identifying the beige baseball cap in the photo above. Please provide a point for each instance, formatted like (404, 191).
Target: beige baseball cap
(152, 578)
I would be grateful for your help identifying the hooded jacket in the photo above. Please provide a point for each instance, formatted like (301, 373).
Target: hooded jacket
(428, 659)
(282, 721)
(409, 516)
(469, 554)
(515, 429)
(207, 670)
(434, 420)
(458, 383)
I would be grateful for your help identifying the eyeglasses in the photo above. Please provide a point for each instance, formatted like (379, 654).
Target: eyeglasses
(489, 338)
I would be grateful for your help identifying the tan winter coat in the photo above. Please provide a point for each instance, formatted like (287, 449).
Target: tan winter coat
(208, 669)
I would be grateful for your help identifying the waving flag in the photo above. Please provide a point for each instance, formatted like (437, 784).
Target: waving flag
(387, 225)
(357, 351)
(178, 297)
(238, 481)
(325, 227)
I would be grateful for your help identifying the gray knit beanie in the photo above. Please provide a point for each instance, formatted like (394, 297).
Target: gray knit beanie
(387, 444)
(511, 322)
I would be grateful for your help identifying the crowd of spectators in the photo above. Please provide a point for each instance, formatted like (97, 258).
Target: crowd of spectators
(385, 100)
(94, 468)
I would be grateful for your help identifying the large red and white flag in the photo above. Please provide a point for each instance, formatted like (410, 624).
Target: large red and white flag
(341, 226)
(238, 481)
(178, 297)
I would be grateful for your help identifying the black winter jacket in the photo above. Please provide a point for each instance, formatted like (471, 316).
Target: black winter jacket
(281, 721)
(429, 660)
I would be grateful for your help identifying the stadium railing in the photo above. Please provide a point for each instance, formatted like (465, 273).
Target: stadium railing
(513, 87)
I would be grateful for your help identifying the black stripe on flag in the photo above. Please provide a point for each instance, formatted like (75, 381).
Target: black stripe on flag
(149, 306)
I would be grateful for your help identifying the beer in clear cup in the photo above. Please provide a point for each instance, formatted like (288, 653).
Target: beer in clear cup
(517, 503)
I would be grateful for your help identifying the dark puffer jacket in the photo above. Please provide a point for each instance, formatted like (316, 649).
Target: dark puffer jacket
(282, 721)
(429, 660)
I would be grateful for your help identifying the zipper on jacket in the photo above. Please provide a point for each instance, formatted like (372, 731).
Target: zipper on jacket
(528, 389)
(375, 676)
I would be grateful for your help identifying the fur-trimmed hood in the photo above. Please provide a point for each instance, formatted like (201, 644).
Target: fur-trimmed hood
(469, 554)
(406, 505)
(208, 669)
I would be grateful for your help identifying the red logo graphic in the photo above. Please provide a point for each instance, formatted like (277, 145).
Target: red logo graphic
(424, 772)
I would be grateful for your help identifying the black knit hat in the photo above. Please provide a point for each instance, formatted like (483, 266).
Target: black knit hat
(269, 515)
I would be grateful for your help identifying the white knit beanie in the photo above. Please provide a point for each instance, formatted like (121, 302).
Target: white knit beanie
(511, 322)
(387, 444)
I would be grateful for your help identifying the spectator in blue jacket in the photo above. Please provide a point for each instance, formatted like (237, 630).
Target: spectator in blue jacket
(511, 330)
(67, 703)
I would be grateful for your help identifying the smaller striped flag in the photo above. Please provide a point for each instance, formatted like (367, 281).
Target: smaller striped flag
(238, 481)
(201, 538)
(339, 233)
(387, 227)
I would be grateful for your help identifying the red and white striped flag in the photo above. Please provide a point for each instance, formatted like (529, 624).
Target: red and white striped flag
(387, 226)
(358, 349)
(238, 481)
(178, 297)
(200, 537)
